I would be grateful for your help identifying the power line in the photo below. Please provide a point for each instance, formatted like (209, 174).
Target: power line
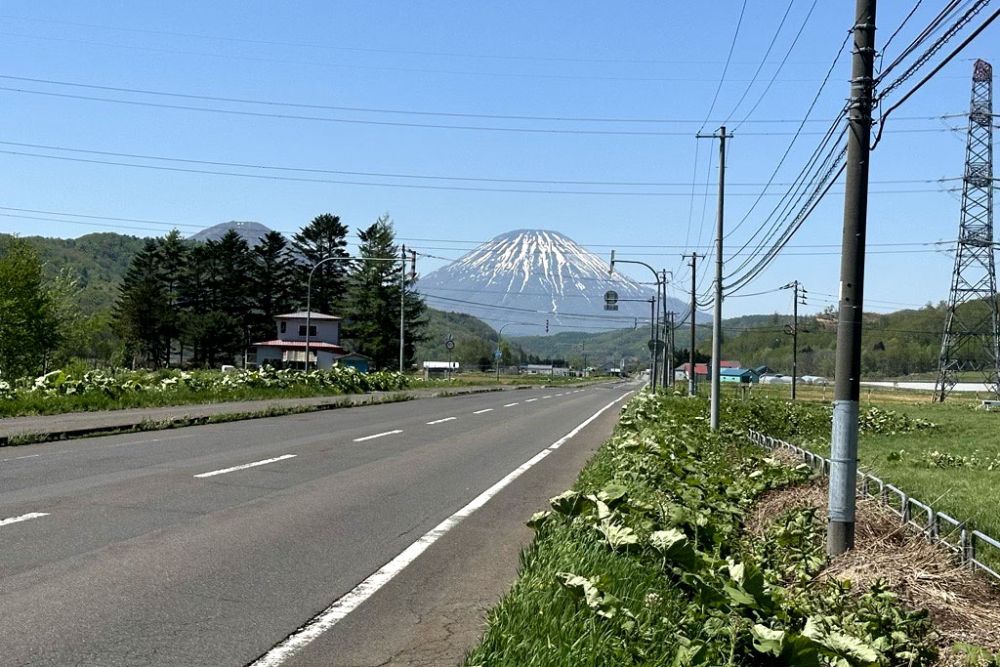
(725, 68)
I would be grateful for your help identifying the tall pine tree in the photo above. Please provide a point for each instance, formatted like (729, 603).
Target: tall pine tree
(274, 283)
(142, 314)
(373, 300)
(324, 237)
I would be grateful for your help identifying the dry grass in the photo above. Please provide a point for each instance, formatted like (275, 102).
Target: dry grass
(964, 606)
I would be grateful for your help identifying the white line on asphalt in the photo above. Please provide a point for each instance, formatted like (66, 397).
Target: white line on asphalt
(337, 611)
(544, 397)
(246, 465)
(510, 405)
(23, 517)
(531, 400)
(479, 412)
(441, 421)
(18, 458)
(378, 435)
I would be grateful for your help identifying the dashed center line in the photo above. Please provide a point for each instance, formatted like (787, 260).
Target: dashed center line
(378, 435)
(18, 458)
(510, 405)
(544, 397)
(246, 465)
(531, 400)
(440, 421)
(23, 517)
(479, 412)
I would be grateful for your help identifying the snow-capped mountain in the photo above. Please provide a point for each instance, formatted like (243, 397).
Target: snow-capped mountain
(528, 276)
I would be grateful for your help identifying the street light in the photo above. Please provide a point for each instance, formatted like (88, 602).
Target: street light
(611, 301)
(654, 342)
(498, 353)
(402, 294)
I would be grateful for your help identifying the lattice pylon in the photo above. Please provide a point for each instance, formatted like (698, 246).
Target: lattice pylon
(971, 339)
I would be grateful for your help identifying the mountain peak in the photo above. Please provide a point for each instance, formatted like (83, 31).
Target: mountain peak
(526, 277)
(249, 231)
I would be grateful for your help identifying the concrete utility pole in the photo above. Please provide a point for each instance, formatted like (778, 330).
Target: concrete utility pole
(844, 443)
(692, 386)
(667, 365)
(794, 330)
(717, 309)
(669, 335)
(402, 304)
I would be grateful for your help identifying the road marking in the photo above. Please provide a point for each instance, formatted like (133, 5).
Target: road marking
(18, 458)
(378, 435)
(343, 606)
(246, 465)
(479, 412)
(440, 421)
(558, 394)
(544, 397)
(510, 405)
(23, 517)
(531, 400)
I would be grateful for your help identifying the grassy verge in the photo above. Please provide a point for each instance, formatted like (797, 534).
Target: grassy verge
(645, 562)
(953, 464)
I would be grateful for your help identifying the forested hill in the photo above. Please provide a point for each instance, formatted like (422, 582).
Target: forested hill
(894, 344)
(96, 261)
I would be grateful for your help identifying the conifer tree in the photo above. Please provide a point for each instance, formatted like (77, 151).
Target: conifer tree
(142, 314)
(325, 236)
(273, 285)
(373, 300)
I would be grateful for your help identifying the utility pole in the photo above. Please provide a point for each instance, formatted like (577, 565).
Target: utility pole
(717, 308)
(692, 386)
(667, 352)
(799, 293)
(844, 441)
(669, 335)
(402, 305)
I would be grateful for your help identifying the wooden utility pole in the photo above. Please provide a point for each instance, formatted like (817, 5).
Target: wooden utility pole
(844, 443)
(793, 330)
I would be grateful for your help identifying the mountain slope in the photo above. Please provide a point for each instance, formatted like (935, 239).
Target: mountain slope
(524, 277)
(251, 232)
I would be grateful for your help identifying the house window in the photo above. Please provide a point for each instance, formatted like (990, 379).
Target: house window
(312, 330)
(284, 327)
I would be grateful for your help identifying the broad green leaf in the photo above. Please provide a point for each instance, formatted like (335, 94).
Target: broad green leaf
(569, 503)
(767, 640)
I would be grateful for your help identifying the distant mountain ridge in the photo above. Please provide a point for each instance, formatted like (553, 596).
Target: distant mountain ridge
(527, 276)
(249, 231)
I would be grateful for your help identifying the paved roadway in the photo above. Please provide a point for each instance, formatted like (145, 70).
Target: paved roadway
(170, 548)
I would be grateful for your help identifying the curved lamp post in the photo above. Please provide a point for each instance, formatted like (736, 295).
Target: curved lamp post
(656, 315)
(402, 295)
(498, 354)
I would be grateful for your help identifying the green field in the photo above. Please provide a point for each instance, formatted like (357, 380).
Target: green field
(954, 466)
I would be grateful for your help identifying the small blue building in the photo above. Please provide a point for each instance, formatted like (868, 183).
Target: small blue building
(738, 375)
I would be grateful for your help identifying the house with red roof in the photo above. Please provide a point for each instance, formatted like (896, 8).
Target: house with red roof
(288, 348)
(701, 370)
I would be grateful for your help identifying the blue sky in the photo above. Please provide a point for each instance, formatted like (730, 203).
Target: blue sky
(475, 62)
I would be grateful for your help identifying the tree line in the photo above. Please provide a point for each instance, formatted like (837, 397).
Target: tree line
(203, 304)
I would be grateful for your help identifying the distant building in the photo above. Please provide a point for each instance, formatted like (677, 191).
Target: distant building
(701, 370)
(288, 349)
(434, 369)
(542, 369)
(738, 375)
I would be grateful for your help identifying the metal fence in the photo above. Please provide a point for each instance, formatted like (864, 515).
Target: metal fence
(967, 545)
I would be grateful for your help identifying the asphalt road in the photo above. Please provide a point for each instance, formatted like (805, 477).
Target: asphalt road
(211, 545)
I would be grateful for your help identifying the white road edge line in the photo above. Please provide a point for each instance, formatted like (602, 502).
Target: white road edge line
(378, 435)
(337, 611)
(510, 405)
(23, 517)
(479, 412)
(530, 400)
(246, 465)
(441, 421)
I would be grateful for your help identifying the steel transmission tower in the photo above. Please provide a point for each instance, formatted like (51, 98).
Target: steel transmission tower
(971, 339)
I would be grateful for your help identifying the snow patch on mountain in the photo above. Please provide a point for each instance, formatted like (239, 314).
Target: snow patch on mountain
(527, 276)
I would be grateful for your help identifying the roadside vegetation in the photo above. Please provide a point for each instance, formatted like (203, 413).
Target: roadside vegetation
(648, 561)
(947, 454)
(67, 391)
